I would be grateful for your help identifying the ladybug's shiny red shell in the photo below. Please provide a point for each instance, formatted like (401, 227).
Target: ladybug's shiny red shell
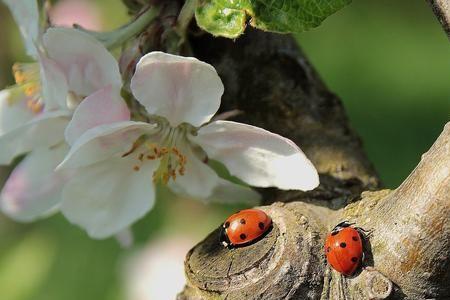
(246, 226)
(344, 249)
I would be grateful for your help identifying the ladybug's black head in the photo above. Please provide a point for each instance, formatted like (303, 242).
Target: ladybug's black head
(223, 237)
(340, 226)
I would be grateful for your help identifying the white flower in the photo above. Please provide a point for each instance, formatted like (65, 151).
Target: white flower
(117, 162)
(33, 114)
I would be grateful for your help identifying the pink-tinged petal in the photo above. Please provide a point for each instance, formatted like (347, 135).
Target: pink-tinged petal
(125, 238)
(181, 89)
(107, 197)
(105, 141)
(44, 131)
(102, 107)
(257, 156)
(87, 64)
(13, 111)
(229, 192)
(26, 15)
(34, 188)
(198, 181)
(82, 12)
(53, 84)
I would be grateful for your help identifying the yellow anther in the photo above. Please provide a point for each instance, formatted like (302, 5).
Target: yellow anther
(171, 161)
(35, 106)
(25, 72)
(19, 77)
(31, 89)
(166, 178)
(181, 171)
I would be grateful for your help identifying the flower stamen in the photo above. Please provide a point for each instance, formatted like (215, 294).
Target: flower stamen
(28, 82)
(172, 162)
(35, 105)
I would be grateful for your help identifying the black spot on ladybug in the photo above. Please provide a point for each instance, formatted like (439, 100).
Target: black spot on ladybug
(334, 232)
(328, 249)
(243, 236)
(354, 259)
(343, 245)
(261, 225)
(242, 221)
(355, 238)
(226, 225)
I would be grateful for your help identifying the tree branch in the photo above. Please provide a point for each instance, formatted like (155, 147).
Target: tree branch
(441, 9)
(411, 226)
(408, 253)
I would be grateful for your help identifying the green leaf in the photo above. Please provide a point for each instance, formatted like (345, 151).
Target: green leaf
(228, 18)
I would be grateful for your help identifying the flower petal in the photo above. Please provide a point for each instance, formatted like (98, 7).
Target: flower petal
(26, 15)
(181, 89)
(86, 62)
(103, 142)
(53, 83)
(13, 112)
(229, 192)
(258, 157)
(43, 131)
(125, 238)
(199, 179)
(34, 188)
(107, 197)
(102, 107)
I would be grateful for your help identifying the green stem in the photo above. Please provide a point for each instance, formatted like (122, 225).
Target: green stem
(185, 17)
(119, 36)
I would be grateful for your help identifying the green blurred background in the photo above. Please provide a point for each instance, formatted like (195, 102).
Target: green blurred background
(388, 60)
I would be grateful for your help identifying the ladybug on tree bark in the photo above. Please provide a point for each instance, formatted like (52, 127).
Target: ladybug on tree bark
(344, 248)
(245, 227)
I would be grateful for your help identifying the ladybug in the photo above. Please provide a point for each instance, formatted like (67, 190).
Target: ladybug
(245, 227)
(344, 248)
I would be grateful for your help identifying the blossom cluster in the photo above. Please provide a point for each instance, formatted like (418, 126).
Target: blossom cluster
(83, 152)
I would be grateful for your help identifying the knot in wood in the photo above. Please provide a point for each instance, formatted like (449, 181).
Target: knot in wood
(286, 264)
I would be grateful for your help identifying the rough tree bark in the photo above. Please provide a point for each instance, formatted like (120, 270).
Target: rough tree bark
(441, 9)
(268, 78)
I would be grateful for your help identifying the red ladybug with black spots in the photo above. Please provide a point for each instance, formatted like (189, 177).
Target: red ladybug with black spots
(245, 227)
(344, 248)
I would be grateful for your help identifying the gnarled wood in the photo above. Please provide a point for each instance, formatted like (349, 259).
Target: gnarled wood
(411, 226)
(408, 248)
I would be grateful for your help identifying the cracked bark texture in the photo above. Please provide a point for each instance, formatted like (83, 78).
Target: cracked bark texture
(269, 79)
(441, 9)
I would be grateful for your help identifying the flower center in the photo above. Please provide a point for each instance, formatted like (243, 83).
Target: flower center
(28, 82)
(73, 100)
(167, 150)
(172, 163)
